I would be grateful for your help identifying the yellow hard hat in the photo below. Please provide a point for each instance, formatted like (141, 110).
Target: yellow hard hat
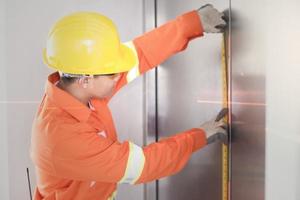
(87, 43)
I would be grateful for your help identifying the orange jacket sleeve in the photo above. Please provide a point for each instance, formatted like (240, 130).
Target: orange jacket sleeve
(154, 47)
(170, 155)
(88, 157)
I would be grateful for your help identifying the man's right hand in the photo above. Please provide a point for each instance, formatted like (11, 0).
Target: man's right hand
(216, 129)
(212, 20)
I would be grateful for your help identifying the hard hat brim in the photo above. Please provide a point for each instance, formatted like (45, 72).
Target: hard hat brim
(126, 60)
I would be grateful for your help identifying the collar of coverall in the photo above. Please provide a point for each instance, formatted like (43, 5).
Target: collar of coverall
(64, 100)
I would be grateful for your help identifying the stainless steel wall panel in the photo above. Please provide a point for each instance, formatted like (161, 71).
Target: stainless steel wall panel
(248, 63)
(150, 97)
(189, 93)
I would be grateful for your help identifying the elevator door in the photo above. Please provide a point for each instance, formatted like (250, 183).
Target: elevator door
(189, 92)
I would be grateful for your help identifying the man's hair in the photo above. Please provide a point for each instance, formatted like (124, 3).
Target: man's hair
(68, 80)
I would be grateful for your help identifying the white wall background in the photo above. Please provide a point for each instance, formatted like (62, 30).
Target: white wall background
(3, 129)
(283, 100)
(26, 25)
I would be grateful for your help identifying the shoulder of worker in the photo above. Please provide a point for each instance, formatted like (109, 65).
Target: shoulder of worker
(53, 124)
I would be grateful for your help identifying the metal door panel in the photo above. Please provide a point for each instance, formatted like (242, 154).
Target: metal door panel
(248, 99)
(190, 92)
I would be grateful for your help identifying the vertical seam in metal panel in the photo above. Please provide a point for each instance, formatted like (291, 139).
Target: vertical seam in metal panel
(156, 100)
(229, 60)
(150, 100)
(144, 106)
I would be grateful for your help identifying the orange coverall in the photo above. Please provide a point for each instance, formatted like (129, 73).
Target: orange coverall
(76, 150)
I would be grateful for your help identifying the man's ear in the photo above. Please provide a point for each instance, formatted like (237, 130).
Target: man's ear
(83, 81)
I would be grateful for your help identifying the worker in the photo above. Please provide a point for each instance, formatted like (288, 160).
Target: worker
(74, 145)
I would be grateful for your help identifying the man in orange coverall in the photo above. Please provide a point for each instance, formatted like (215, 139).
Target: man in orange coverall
(74, 142)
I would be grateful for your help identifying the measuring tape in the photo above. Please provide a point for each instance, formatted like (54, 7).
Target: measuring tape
(225, 149)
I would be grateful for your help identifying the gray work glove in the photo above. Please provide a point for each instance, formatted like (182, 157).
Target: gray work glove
(216, 129)
(212, 20)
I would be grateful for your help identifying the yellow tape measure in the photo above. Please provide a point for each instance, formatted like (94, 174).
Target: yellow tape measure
(225, 162)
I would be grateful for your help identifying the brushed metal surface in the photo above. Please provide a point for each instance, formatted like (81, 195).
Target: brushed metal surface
(189, 93)
(150, 97)
(248, 91)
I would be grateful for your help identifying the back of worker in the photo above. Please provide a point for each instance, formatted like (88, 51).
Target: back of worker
(74, 142)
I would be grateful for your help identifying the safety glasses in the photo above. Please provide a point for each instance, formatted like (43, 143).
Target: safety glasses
(113, 75)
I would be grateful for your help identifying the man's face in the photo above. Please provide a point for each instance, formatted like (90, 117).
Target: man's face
(103, 85)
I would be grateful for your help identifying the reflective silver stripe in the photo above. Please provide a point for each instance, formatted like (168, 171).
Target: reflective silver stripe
(133, 74)
(135, 164)
(135, 71)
